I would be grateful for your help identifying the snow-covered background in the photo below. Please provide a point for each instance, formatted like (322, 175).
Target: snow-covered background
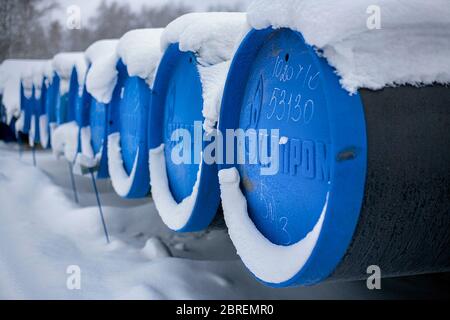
(43, 232)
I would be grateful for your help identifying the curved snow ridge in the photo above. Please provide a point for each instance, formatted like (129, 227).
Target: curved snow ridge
(65, 141)
(32, 132)
(269, 262)
(44, 136)
(175, 215)
(63, 64)
(86, 159)
(20, 122)
(121, 181)
(410, 47)
(214, 38)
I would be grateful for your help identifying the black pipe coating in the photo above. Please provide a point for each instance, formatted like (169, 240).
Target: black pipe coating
(404, 224)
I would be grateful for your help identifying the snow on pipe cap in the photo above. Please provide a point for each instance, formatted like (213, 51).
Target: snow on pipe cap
(212, 36)
(64, 62)
(292, 225)
(138, 50)
(371, 44)
(100, 49)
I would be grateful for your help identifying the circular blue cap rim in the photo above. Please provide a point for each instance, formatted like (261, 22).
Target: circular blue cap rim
(208, 196)
(72, 95)
(102, 171)
(348, 177)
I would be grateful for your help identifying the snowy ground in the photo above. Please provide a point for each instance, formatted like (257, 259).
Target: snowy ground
(42, 232)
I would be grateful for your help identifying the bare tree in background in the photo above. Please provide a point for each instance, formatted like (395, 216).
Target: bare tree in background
(21, 33)
(160, 17)
(112, 20)
(25, 31)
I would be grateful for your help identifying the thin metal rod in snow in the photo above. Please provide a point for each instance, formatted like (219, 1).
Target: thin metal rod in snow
(72, 178)
(34, 155)
(19, 140)
(99, 206)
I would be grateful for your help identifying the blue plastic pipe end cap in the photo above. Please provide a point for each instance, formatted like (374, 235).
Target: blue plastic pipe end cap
(278, 82)
(98, 124)
(128, 114)
(177, 105)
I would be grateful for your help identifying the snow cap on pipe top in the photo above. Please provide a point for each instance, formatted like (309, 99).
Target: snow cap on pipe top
(33, 76)
(189, 82)
(102, 74)
(100, 49)
(371, 44)
(64, 63)
(138, 50)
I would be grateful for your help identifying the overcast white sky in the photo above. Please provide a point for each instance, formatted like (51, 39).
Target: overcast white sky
(88, 7)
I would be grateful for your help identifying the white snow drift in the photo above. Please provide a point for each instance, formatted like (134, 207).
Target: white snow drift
(46, 234)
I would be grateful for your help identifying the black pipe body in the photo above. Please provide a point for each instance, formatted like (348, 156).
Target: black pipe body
(404, 223)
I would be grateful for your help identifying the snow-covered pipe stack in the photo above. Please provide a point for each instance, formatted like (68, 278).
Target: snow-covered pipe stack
(28, 90)
(48, 119)
(357, 173)
(188, 89)
(124, 81)
(94, 133)
(71, 69)
(38, 123)
(10, 83)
